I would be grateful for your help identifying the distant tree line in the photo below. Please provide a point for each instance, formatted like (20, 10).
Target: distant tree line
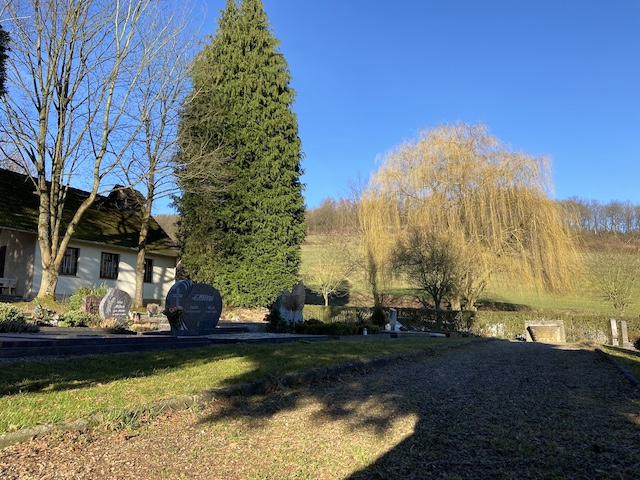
(333, 217)
(614, 216)
(340, 216)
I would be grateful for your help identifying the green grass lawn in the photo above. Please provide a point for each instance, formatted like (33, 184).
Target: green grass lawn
(629, 359)
(583, 299)
(578, 301)
(40, 392)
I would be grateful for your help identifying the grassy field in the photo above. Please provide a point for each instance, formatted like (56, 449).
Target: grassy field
(583, 299)
(40, 392)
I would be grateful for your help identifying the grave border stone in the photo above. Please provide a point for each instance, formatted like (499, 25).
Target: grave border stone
(560, 333)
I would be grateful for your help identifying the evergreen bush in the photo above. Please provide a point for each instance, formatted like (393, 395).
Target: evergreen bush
(371, 329)
(12, 320)
(10, 313)
(276, 324)
(316, 327)
(378, 317)
(76, 318)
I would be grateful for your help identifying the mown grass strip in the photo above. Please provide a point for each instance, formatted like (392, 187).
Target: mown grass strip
(60, 390)
(629, 359)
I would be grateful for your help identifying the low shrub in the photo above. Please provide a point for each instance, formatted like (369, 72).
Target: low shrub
(322, 313)
(277, 324)
(317, 327)
(505, 322)
(378, 317)
(371, 329)
(10, 313)
(578, 327)
(143, 327)
(636, 344)
(12, 320)
(115, 324)
(77, 318)
(431, 319)
(75, 300)
(358, 316)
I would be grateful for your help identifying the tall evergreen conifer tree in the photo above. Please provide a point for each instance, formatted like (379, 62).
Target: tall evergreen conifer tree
(239, 164)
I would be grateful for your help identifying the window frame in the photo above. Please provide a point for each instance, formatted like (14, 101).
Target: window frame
(148, 270)
(112, 259)
(71, 261)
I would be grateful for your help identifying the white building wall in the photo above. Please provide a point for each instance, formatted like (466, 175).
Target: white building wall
(21, 250)
(88, 274)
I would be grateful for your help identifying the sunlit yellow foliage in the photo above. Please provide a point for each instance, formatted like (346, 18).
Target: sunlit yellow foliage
(492, 201)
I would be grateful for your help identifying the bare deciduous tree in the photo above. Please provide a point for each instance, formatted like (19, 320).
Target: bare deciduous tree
(74, 67)
(431, 262)
(159, 95)
(616, 275)
(333, 263)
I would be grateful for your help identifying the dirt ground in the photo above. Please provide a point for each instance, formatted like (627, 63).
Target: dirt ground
(495, 410)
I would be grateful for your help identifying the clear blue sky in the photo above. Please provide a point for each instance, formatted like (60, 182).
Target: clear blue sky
(556, 77)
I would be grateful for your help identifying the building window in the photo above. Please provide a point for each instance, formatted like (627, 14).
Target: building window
(109, 265)
(148, 270)
(70, 261)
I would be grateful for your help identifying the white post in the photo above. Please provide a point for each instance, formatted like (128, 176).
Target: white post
(614, 332)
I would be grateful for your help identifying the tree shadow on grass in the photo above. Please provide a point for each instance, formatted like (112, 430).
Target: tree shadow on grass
(257, 361)
(32, 376)
(314, 298)
(499, 306)
(498, 410)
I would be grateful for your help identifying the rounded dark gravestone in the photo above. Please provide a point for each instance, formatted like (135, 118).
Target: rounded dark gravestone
(201, 303)
(115, 304)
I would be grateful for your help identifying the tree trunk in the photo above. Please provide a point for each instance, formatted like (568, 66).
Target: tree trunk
(138, 299)
(49, 282)
(456, 304)
(326, 299)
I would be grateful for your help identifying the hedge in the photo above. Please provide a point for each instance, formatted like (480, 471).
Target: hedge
(507, 324)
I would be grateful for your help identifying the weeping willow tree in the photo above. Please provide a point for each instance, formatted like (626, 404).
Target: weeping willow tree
(490, 202)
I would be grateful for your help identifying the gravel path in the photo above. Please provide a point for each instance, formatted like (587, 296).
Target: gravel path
(493, 410)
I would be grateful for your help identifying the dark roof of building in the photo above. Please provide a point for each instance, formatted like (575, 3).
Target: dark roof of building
(113, 220)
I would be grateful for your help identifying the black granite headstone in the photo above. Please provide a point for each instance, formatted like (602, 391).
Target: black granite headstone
(201, 303)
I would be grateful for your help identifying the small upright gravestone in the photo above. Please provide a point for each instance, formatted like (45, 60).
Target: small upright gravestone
(91, 304)
(614, 332)
(115, 304)
(153, 309)
(201, 304)
(625, 335)
(393, 319)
